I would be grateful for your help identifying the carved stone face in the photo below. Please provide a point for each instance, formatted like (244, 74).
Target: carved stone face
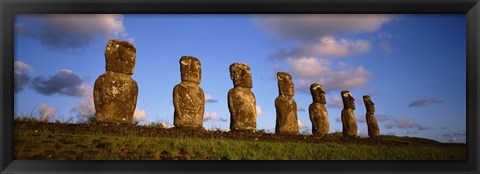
(120, 57)
(369, 105)
(318, 95)
(285, 84)
(240, 74)
(190, 69)
(348, 100)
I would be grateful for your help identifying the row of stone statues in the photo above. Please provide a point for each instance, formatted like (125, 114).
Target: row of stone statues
(115, 97)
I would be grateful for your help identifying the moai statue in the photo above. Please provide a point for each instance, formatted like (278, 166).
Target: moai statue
(115, 92)
(373, 130)
(286, 107)
(318, 112)
(348, 119)
(188, 97)
(241, 100)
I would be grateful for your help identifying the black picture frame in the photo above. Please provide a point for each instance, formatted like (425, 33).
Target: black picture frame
(8, 8)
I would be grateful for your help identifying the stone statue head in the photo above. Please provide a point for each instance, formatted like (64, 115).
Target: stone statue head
(285, 84)
(348, 100)
(318, 95)
(120, 57)
(240, 74)
(369, 105)
(190, 69)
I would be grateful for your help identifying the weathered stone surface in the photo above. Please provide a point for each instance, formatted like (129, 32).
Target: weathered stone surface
(348, 118)
(286, 107)
(188, 97)
(373, 130)
(120, 57)
(241, 100)
(318, 111)
(115, 92)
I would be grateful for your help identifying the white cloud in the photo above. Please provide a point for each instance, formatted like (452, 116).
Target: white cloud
(85, 109)
(310, 67)
(166, 125)
(259, 110)
(72, 31)
(308, 26)
(21, 75)
(213, 116)
(323, 47)
(139, 114)
(363, 132)
(209, 99)
(405, 123)
(22, 67)
(316, 70)
(302, 125)
(46, 112)
(319, 37)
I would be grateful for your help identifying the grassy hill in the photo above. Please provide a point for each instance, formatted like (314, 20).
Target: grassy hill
(99, 141)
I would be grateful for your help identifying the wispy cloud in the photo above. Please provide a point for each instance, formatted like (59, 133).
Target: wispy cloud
(64, 82)
(452, 138)
(405, 123)
(382, 118)
(213, 116)
(85, 109)
(21, 75)
(302, 125)
(259, 110)
(412, 132)
(378, 117)
(72, 31)
(301, 109)
(460, 133)
(209, 99)
(324, 47)
(46, 112)
(401, 124)
(360, 119)
(311, 70)
(422, 127)
(317, 38)
(308, 26)
(424, 102)
(139, 115)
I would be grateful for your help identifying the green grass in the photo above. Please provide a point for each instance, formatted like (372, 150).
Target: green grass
(44, 144)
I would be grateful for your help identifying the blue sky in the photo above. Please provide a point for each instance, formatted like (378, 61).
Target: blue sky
(413, 66)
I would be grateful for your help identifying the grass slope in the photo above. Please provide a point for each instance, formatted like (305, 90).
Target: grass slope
(37, 140)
